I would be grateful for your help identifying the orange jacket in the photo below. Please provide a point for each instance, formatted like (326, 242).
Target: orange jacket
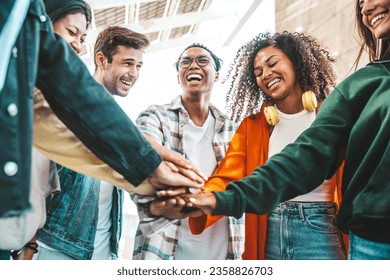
(247, 150)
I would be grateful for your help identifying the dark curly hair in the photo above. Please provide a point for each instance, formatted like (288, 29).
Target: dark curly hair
(312, 64)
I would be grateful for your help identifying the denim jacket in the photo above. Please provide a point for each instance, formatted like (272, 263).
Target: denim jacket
(41, 58)
(73, 213)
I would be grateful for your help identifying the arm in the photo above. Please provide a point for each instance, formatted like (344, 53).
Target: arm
(97, 120)
(153, 123)
(153, 220)
(70, 152)
(298, 169)
(178, 161)
(148, 223)
(90, 112)
(184, 166)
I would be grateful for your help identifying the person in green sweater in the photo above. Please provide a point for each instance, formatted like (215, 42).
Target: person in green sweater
(352, 125)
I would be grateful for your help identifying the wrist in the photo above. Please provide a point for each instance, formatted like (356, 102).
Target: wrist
(29, 250)
(150, 210)
(212, 198)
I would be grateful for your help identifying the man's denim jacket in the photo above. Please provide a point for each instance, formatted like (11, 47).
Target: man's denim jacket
(72, 216)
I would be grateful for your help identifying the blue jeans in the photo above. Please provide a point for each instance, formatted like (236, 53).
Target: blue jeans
(304, 231)
(363, 249)
(5, 255)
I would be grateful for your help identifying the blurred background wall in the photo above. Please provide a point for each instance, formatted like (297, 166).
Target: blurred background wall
(333, 22)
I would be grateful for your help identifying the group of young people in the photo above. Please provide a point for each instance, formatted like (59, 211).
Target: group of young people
(297, 170)
(119, 155)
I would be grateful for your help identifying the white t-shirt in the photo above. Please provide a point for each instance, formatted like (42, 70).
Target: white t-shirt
(103, 233)
(17, 231)
(287, 131)
(211, 244)
(102, 238)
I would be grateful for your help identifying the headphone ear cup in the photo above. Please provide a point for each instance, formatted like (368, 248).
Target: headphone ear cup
(271, 116)
(309, 101)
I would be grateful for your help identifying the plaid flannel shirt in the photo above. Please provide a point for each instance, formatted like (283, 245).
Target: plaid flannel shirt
(157, 238)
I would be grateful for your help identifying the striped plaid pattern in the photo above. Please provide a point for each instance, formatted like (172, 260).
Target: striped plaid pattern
(157, 238)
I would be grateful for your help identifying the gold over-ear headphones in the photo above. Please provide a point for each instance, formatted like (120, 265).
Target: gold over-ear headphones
(309, 102)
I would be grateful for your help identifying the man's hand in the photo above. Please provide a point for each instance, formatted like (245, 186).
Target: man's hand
(205, 202)
(171, 192)
(173, 208)
(166, 176)
(189, 201)
(183, 165)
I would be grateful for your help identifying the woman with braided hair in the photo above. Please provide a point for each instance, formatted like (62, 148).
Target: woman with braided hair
(277, 82)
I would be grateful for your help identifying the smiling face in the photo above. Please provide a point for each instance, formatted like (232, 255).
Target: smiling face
(275, 75)
(73, 29)
(194, 78)
(120, 75)
(376, 17)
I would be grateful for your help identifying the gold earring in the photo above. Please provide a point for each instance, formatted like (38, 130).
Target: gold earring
(271, 116)
(309, 101)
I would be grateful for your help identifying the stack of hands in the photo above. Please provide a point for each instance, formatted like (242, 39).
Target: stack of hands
(181, 194)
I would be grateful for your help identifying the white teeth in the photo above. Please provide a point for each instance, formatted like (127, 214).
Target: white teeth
(378, 17)
(273, 82)
(194, 77)
(126, 82)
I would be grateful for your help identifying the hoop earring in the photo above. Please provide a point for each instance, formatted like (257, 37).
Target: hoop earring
(271, 116)
(309, 101)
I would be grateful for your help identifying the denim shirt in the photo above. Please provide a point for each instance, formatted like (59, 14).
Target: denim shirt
(72, 216)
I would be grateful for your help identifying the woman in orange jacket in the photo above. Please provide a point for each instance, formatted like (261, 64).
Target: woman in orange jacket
(277, 82)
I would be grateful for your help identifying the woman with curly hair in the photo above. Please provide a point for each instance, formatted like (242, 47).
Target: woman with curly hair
(354, 123)
(277, 82)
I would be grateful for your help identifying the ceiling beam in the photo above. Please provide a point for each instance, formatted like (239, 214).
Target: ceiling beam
(155, 25)
(242, 21)
(183, 41)
(99, 4)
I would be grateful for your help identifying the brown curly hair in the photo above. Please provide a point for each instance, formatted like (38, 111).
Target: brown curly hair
(312, 64)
